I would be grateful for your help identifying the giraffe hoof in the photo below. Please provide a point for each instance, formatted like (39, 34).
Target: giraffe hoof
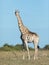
(35, 58)
(29, 58)
(23, 58)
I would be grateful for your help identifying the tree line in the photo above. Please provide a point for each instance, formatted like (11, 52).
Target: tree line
(18, 47)
(7, 47)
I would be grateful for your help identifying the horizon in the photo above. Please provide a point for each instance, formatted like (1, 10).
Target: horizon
(34, 15)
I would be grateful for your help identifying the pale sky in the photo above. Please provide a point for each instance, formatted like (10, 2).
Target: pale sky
(34, 15)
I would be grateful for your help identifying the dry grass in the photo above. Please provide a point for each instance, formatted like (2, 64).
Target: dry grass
(15, 58)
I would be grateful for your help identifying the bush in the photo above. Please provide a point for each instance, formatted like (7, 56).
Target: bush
(46, 47)
(17, 47)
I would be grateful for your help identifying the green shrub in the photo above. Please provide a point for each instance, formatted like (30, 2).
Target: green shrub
(17, 47)
(46, 47)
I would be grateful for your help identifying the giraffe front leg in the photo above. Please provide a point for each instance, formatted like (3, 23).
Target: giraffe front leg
(23, 51)
(36, 52)
(23, 54)
(27, 50)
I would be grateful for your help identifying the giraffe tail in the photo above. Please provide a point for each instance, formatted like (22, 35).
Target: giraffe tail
(38, 47)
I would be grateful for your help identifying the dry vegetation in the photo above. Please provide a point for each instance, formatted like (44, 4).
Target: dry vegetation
(15, 58)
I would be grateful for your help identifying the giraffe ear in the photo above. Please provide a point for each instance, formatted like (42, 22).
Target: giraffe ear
(16, 11)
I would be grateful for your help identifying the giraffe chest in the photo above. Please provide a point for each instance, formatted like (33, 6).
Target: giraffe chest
(28, 38)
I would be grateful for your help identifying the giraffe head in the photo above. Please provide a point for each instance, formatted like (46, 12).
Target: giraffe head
(16, 12)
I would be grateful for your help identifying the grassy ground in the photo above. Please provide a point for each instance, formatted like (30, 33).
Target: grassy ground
(15, 58)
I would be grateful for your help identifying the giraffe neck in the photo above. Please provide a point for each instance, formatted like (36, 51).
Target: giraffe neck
(22, 28)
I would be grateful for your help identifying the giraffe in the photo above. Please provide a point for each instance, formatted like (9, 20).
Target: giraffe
(27, 37)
